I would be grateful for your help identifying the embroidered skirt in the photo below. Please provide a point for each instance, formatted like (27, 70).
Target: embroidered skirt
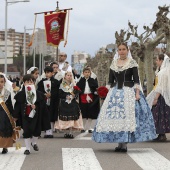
(161, 115)
(123, 119)
(6, 130)
(69, 116)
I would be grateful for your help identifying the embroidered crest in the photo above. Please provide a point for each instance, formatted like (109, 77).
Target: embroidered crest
(55, 27)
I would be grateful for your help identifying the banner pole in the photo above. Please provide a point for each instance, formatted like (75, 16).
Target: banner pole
(53, 11)
(57, 10)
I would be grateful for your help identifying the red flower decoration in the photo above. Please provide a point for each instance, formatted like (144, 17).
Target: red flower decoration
(48, 86)
(102, 92)
(29, 88)
(77, 88)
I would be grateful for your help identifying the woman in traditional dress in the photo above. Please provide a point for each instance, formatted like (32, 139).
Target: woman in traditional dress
(124, 116)
(69, 112)
(7, 124)
(158, 98)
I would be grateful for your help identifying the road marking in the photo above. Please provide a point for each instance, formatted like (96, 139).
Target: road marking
(81, 135)
(13, 159)
(149, 159)
(79, 159)
(83, 138)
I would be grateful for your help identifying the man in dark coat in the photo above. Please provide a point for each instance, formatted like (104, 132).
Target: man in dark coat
(31, 125)
(89, 100)
(51, 96)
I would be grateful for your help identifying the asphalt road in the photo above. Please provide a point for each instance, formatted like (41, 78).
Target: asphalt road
(81, 153)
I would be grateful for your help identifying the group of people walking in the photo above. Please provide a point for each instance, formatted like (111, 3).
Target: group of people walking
(52, 103)
(60, 100)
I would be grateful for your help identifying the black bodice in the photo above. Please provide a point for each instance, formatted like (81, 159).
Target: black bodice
(127, 77)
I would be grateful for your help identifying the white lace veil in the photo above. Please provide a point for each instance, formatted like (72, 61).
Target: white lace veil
(8, 84)
(165, 62)
(116, 56)
(72, 81)
(163, 86)
(31, 69)
(129, 55)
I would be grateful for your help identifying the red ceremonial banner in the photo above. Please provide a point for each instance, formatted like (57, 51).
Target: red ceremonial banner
(54, 27)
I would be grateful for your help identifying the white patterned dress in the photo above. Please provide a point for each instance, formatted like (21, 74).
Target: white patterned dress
(122, 118)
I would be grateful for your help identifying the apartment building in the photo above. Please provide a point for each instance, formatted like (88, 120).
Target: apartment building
(78, 60)
(9, 52)
(18, 40)
(40, 44)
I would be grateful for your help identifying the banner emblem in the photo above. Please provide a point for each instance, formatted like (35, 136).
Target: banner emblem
(54, 27)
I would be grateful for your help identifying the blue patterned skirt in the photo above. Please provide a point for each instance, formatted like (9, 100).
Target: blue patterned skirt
(145, 128)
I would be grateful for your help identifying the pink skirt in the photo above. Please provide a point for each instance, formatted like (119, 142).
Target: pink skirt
(75, 124)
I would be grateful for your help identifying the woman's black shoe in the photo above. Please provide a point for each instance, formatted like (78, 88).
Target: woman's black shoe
(82, 131)
(66, 135)
(123, 150)
(35, 147)
(157, 139)
(162, 138)
(90, 131)
(27, 152)
(48, 136)
(117, 149)
(71, 136)
(4, 150)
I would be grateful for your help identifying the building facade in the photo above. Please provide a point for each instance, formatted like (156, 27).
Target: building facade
(10, 53)
(78, 60)
(40, 45)
(18, 41)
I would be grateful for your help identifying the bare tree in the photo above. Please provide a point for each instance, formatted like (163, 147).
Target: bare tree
(162, 25)
(145, 51)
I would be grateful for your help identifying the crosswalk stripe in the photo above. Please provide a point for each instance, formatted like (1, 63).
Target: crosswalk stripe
(79, 159)
(149, 159)
(83, 138)
(13, 159)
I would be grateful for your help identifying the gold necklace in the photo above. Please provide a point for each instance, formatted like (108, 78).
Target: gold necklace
(123, 58)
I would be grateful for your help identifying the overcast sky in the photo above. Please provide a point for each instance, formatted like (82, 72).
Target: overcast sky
(92, 22)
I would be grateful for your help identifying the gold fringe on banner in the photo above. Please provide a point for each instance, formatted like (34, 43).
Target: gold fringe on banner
(32, 37)
(68, 14)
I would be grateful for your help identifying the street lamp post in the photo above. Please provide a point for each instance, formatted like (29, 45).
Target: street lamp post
(6, 28)
(41, 51)
(24, 49)
(6, 12)
(35, 50)
(24, 65)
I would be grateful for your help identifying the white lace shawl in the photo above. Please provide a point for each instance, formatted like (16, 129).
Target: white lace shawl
(129, 64)
(5, 94)
(163, 86)
(66, 87)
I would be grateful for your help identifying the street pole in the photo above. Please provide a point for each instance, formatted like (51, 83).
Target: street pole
(6, 30)
(35, 49)
(6, 13)
(57, 9)
(42, 63)
(24, 50)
